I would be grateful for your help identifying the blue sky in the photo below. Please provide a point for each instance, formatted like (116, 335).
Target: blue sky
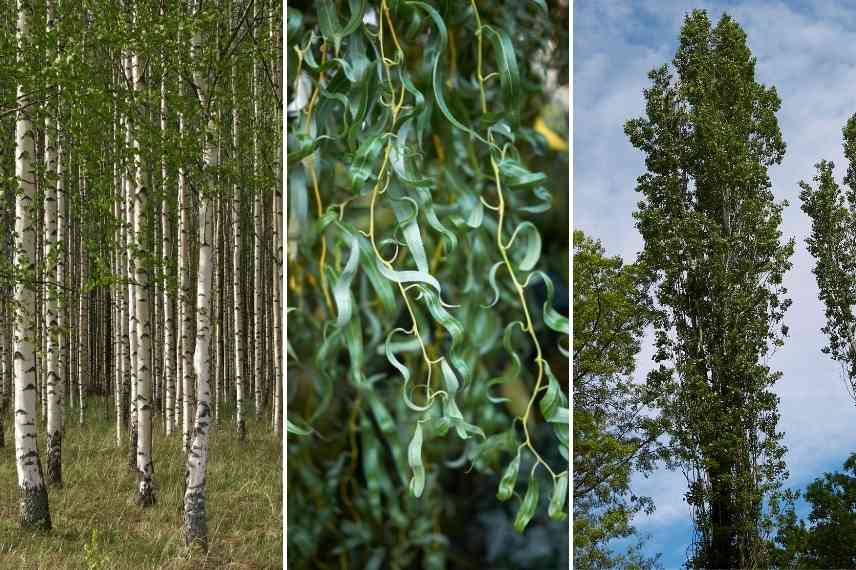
(807, 50)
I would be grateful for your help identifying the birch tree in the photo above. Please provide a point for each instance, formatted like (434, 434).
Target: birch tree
(34, 509)
(195, 516)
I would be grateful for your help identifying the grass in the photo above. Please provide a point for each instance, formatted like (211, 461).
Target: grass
(97, 525)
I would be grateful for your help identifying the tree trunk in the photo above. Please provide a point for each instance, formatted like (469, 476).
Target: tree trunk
(188, 309)
(145, 467)
(195, 517)
(54, 382)
(34, 509)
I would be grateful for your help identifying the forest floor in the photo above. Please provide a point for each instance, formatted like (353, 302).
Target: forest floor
(97, 525)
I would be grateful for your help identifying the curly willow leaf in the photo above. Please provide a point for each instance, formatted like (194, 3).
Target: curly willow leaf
(437, 79)
(329, 22)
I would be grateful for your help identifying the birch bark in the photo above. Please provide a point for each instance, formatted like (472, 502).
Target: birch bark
(195, 517)
(238, 306)
(34, 509)
(54, 382)
(145, 467)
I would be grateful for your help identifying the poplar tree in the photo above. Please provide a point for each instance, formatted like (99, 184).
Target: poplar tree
(832, 243)
(713, 244)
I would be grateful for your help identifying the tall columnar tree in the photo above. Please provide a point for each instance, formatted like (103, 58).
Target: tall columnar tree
(833, 245)
(713, 244)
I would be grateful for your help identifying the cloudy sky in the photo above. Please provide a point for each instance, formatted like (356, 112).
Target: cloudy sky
(807, 50)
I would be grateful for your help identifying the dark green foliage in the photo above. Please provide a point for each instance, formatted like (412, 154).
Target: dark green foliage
(829, 538)
(715, 250)
(614, 432)
(424, 321)
(833, 245)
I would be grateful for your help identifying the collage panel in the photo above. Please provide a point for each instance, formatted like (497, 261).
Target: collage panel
(427, 284)
(713, 289)
(141, 300)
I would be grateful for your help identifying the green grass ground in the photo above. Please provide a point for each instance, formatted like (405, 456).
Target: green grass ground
(97, 525)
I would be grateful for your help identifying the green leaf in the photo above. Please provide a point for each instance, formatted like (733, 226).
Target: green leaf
(342, 287)
(409, 276)
(304, 145)
(552, 318)
(329, 22)
(427, 206)
(491, 277)
(414, 459)
(509, 73)
(515, 175)
(371, 267)
(528, 506)
(452, 326)
(436, 78)
(404, 371)
(412, 235)
(362, 167)
(509, 478)
(398, 158)
(560, 496)
(533, 245)
(292, 428)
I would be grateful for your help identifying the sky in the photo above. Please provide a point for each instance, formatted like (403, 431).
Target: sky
(807, 50)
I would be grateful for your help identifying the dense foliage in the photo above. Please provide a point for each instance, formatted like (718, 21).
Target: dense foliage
(426, 334)
(713, 244)
(833, 245)
(829, 538)
(615, 431)
(135, 138)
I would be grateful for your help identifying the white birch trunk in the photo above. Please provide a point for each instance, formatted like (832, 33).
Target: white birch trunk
(133, 336)
(277, 311)
(116, 295)
(238, 306)
(145, 467)
(195, 518)
(188, 309)
(168, 310)
(257, 233)
(54, 382)
(34, 509)
(83, 331)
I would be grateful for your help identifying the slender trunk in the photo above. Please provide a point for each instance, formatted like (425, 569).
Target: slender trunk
(238, 308)
(277, 310)
(188, 309)
(118, 340)
(145, 467)
(34, 509)
(257, 235)
(168, 312)
(133, 316)
(83, 369)
(54, 382)
(195, 517)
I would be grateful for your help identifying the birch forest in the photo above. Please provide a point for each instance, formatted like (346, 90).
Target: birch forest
(140, 283)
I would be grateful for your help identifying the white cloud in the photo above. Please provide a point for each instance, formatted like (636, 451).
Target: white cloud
(809, 54)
